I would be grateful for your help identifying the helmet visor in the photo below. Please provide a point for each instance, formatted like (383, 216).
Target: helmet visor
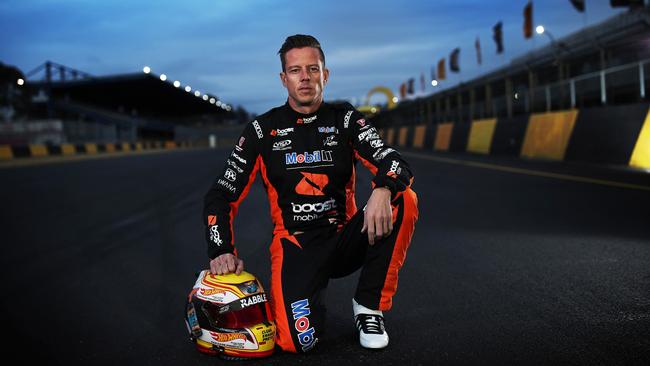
(246, 317)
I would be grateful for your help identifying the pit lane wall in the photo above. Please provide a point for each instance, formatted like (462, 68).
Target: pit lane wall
(617, 135)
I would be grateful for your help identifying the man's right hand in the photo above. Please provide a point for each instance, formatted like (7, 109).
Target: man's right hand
(226, 263)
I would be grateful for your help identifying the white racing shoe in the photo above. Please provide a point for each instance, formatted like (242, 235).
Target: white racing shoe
(370, 324)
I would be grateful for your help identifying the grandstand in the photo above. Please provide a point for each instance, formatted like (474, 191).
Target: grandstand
(603, 64)
(72, 106)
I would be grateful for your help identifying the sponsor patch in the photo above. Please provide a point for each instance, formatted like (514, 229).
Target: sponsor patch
(329, 141)
(227, 337)
(256, 299)
(370, 134)
(301, 121)
(376, 143)
(282, 145)
(227, 185)
(394, 170)
(211, 291)
(234, 166)
(240, 145)
(380, 154)
(281, 132)
(331, 129)
(312, 211)
(346, 120)
(307, 157)
(212, 220)
(214, 235)
(258, 129)
(239, 158)
(230, 175)
(193, 322)
(367, 126)
(306, 333)
(319, 207)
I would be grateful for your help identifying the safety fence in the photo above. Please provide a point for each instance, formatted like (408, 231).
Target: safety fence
(618, 135)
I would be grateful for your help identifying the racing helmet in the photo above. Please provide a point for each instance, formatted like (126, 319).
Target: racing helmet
(228, 315)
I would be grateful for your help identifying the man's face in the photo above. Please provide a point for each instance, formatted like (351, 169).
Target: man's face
(304, 76)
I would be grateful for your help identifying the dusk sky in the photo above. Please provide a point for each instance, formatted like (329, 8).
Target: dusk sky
(229, 48)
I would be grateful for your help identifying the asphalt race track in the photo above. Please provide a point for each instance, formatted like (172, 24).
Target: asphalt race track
(508, 266)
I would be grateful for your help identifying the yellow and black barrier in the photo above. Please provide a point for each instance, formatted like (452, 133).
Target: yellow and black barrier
(8, 152)
(606, 135)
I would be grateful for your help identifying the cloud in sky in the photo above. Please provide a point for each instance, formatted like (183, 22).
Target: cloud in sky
(229, 48)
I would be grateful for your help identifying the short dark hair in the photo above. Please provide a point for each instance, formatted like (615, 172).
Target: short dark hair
(299, 41)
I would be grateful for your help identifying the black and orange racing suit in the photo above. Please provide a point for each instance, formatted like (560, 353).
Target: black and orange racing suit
(307, 164)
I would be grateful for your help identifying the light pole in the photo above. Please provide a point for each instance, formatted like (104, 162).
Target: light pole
(541, 30)
(558, 47)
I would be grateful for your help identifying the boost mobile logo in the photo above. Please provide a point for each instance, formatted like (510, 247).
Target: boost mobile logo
(306, 120)
(214, 235)
(311, 211)
(281, 132)
(313, 207)
(394, 169)
(300, 310)
(315, 157)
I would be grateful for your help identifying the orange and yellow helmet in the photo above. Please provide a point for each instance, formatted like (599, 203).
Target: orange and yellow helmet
(229, 315)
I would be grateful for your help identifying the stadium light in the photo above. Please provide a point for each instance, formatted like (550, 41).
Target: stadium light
(228, 108)
(395, 100)
(205, 97)
(163, 77)
(177, 83)
(20, 82)
(212, 101)
(146, 69)
(188, 89)
(218, 103)
(541, 30)
(434, 82)
(197, 93)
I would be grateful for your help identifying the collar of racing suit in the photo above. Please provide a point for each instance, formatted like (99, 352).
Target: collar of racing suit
(302, 118)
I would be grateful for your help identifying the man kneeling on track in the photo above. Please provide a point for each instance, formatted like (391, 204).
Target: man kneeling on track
(306, 152)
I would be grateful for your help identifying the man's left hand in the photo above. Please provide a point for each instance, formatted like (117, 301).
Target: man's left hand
(378, 215)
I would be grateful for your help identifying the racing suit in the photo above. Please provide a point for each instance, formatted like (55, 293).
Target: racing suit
(307, 163)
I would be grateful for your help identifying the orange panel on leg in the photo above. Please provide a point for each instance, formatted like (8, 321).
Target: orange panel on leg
(283, 332)
(404, 236)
